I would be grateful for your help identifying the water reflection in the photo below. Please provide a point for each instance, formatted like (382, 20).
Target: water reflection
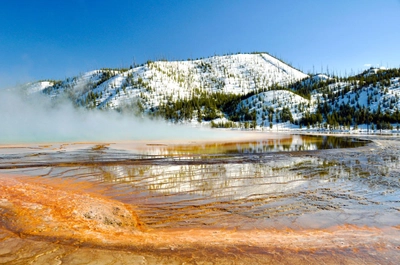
(244, 184)
(288, 143)
(203, 193)
(233, 181)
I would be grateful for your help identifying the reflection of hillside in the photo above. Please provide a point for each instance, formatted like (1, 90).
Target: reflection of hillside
(233, 181)
(287, 143)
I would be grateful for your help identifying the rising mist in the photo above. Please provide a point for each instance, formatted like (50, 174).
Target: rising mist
(36, 118)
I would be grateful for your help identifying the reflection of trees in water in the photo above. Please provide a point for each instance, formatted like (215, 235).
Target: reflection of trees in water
(234, 179)
(333, 142)
(266, 146)
(285, 144)
(185, 190)
(304, 143)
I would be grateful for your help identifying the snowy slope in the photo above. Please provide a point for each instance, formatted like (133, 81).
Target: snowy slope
(384, 96)
(267, 91)
(155, 82)
(272, 103)
(37, 87)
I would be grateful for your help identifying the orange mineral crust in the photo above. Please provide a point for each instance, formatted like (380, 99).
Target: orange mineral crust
(30, 207)
(63, 220)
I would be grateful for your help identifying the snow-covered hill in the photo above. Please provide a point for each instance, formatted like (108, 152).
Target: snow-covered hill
(155, 82)
(269, 106)
(240, 90)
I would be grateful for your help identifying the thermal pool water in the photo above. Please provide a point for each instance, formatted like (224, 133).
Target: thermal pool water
(288, 199)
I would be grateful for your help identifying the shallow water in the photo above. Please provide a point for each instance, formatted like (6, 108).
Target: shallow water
(288, 182)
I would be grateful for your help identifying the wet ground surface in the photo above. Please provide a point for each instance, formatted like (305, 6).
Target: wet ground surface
(284, 199)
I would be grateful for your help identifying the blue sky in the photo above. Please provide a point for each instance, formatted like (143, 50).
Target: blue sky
(57, 39)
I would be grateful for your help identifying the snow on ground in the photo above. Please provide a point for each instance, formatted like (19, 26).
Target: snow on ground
(387, 98)
(263, 103)
(36, 87)
(160, 81)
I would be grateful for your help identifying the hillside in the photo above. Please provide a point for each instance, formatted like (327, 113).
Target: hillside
(241, 90)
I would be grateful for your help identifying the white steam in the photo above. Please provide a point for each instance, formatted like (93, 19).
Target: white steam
(36, 118)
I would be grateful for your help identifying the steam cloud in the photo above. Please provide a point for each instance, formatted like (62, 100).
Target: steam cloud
(35, 118)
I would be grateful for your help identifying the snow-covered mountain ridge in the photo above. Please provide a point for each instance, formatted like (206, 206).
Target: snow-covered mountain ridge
(241, 90)
(239, 74)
